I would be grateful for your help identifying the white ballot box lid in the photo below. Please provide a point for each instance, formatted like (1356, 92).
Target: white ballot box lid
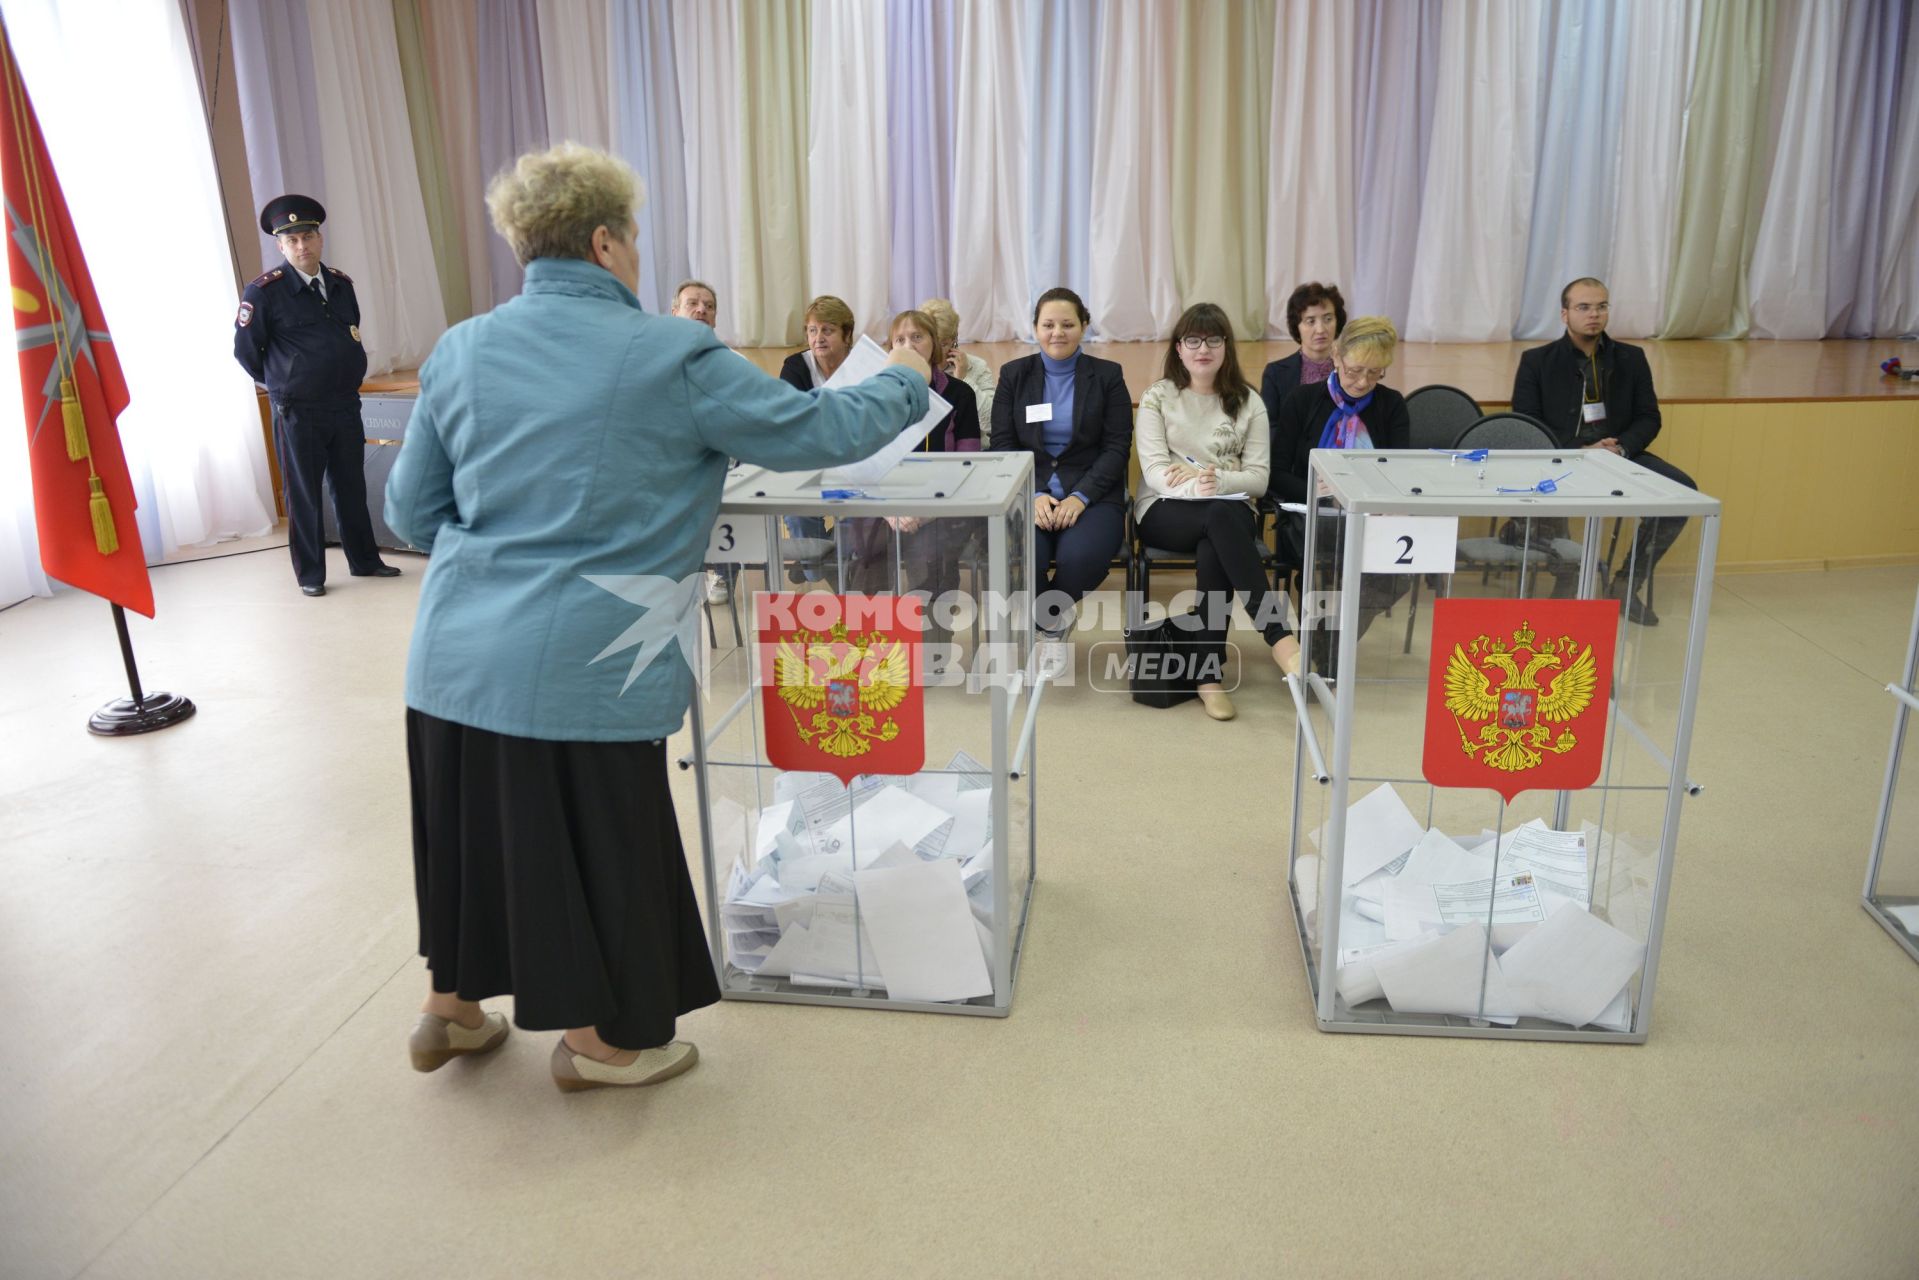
(922, 484)
(1517, 482)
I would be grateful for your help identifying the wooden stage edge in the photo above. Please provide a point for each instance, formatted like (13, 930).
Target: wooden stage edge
(1707, 371)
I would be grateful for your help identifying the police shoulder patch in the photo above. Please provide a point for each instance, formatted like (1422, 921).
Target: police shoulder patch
(245, 317)
(343, 275)
(268, 277)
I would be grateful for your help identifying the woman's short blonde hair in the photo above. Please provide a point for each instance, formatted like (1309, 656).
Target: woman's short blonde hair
(549, 203)
(1372, 337)
(827, 309)
(944, 318)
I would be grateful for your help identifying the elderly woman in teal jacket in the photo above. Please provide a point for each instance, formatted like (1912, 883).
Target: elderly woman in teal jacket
(564, 467)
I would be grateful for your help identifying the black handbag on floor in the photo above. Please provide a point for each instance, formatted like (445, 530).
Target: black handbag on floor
(1162, 661)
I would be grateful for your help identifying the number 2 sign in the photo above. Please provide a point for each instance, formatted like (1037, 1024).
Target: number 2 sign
(1410, 544)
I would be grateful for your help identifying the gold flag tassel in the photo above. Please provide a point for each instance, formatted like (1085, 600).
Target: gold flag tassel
(75, 417)
(104, 536)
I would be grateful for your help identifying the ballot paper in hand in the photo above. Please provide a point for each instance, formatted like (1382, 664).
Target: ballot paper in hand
(866, 359)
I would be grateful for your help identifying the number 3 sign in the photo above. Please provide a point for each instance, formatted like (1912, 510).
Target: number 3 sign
(737, 540)
(1410, 544)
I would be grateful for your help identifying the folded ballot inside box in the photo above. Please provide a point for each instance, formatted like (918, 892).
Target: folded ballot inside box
(1496, 928)
(881, 886)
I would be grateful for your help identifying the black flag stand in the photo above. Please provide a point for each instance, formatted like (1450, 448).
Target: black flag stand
(143, 712)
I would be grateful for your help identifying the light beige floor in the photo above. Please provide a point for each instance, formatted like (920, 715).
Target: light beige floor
(206, 976)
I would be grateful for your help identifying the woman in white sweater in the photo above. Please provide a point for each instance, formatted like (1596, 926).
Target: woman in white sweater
(1204, 460)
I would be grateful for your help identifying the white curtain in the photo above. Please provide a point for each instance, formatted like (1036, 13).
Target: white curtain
(1652, 138)
(573, 70)
(1133, 296)
(990, 289)
(849, 231)
(1898, 311)
(1479, 176)
(706, 56)
(1309, 205)
(1787, 281)
(192, 431)
(376, 220)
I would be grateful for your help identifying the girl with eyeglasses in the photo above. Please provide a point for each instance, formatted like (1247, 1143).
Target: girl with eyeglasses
(1204, 463)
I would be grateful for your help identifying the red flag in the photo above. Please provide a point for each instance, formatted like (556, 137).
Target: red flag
(70, 378)
(840, 682)
(1516, 693)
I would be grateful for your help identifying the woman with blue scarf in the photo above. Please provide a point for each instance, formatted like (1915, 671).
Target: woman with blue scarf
(1352, 409)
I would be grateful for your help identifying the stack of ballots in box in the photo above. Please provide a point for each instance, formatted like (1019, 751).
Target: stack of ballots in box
(1418, 910)
(884, 885)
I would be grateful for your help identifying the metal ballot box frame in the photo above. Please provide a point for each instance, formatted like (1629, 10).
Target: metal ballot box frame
(1892, 875)
(1420, 955)
(792, 914)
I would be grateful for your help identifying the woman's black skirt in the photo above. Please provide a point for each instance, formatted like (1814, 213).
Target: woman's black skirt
(553, 872)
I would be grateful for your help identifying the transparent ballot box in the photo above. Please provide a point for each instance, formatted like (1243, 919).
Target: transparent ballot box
(886, 661)
(1463, 621)
(1892, 877)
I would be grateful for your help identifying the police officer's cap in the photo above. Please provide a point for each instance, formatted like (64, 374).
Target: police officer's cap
(291, 213)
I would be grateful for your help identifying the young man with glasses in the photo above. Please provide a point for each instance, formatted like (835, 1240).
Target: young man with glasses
(1595, 393)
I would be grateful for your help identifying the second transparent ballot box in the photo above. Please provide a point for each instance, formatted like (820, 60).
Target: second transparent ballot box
(886, 659)
(1892, 875)
(1465, 618)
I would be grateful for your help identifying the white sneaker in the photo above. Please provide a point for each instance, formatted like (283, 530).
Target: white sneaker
(1051, 659)
(717, 592)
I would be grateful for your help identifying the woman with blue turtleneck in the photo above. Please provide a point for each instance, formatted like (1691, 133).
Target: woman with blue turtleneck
(1072, 412)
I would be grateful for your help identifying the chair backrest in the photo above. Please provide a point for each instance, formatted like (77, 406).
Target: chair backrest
(1439, 414)
(1506, 431)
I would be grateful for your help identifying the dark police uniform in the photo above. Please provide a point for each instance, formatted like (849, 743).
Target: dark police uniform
(303, 342)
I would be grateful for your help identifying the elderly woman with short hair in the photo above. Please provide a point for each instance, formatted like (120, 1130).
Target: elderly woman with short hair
(964, 365)
(1351, 409)
(563, 464)
(829, 336)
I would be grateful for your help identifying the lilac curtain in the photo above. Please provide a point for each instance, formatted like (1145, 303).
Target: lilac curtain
(1871, 41)
(919, 147)
(279, 107)
(512, 109)
(1397, 47)
(645, 124)
(1061, 41)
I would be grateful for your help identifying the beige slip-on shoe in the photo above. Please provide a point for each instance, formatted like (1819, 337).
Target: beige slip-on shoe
(573, 1071)
(436, 1041)
(1218, 705)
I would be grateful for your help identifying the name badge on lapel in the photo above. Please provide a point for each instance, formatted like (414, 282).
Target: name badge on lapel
(354, 329)
(1595, 411)
(1039, 412)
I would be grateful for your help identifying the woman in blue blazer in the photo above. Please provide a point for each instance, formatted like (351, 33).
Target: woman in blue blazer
(1072, 412)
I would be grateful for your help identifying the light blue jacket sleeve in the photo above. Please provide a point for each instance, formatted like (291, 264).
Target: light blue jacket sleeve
(746, 415)
(419, 489)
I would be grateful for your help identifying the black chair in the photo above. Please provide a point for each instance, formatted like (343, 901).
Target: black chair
(1439, 414)
(1507, 430)
(1141, 558)
(1510, 431)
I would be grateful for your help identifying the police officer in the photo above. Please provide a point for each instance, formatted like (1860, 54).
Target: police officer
(298, 332)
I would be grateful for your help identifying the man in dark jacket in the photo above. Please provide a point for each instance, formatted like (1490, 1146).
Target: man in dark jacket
(298, 332)
(1595, 393)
